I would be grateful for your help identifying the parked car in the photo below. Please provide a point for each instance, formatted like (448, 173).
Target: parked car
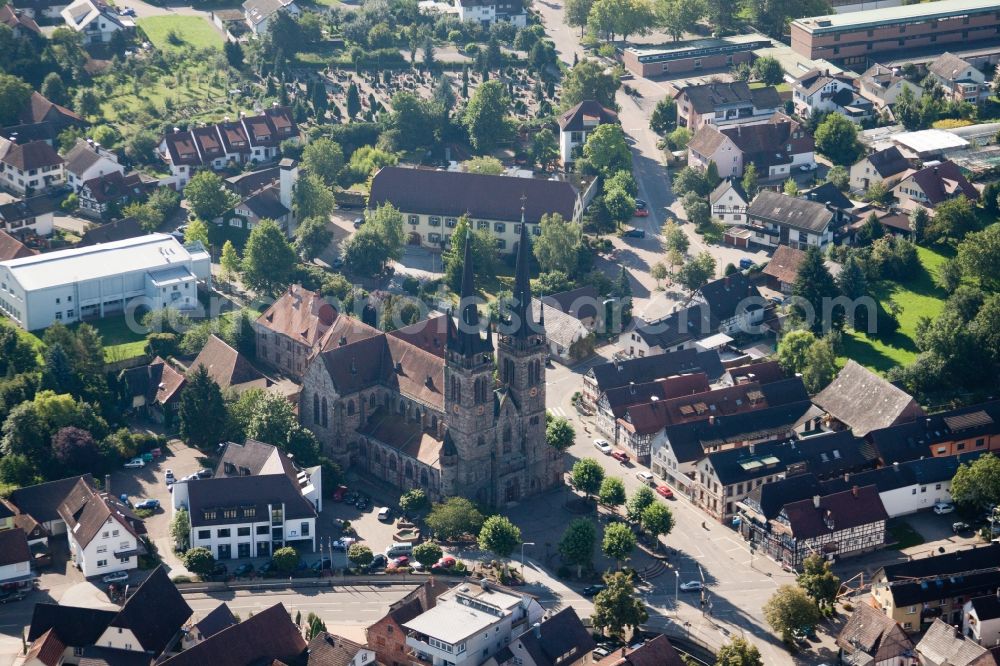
(151, 504)
(692, 586)
(592, 590)
(385, 514)
(603, 446)
(634, 233)
(645, 477)
(361, 505)
(641, 212)
(805, 168)
(116, 577)
(620, 456)
(339, 493)
(378, 562)
(220, 570)
(324, 563)
(746, 263)
(942, 508)
(343, 543)
(204, 473)
(244, 570)
(169, 478)
(640, 203)
(960, 526)
(446, 562)
(11, 595)
(665, 491)
(358, 221)
(157, 452)
(135, 463)
(267, 568)
(397, 562)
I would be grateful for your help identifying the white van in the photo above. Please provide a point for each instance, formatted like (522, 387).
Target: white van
(397, 549)
(385, 514)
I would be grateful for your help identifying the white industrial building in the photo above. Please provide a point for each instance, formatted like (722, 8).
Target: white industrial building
(153, 271)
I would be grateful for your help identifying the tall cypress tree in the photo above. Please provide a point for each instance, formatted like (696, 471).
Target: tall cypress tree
(202, 412)
(813, 285)
(854, 285)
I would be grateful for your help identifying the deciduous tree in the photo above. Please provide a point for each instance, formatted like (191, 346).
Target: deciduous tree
(577, 544)
(324, 158)
(587, 476)
(428, 553)
(199, 561)
(312, 237)
(559, 433)
(790, 609)
(818, 580)
(588, 79)
(287, 559)
(486, 117)
(206, 196)
(837, 138)
(739, 652)
(499, 536)
(612, 492)
(619, 542)
(455, 517)
(617, 607)
(268, 259)
(977, 483)
(657, 520)
(557, 247)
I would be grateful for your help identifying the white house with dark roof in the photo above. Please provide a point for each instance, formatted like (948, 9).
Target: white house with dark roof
(933, 185)
(30, 167)
(981, 619)
(96, 20)
(87, 160)
(961, 80)
(729, 202)
(820, 91)
(778, 219)
(487, 12)
(103, 534)
(33, 215)
(15, 556)
(258, 13)
(253, 458)
(576, 125)
(885, 166)
(776, 146)
(883, 85)
(723, 104)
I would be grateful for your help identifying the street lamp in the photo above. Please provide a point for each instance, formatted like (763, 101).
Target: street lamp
(677, 591)
(526, 543)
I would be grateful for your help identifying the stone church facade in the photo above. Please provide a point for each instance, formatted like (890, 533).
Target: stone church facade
(419, 407)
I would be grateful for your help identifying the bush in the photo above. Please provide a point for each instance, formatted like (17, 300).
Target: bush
(143, 513)
(471, 49)
(176, 580)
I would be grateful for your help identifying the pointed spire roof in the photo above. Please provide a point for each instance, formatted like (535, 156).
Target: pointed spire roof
(466, 338)
(522, 283)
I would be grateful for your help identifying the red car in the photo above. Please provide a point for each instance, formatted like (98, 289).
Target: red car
(400, 561)
(338, 494)
(446, 562)
(642, 212)
(664, 491)
(620, 456)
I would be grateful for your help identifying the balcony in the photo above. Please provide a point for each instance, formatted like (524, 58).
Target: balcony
(417, 658)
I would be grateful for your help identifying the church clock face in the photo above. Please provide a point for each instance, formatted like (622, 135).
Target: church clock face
(533, 392)
(455, 409)
(481, 410)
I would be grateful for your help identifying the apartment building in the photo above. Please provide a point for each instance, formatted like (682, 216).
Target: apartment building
(104, 534)
(30, 168)
(722, 104)
(855, 38)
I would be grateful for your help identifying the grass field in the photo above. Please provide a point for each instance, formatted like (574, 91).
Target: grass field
(904, 535)
(193, 31)
(918, 297)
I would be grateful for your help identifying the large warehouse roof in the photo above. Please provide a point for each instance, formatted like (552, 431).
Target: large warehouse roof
(890, 15)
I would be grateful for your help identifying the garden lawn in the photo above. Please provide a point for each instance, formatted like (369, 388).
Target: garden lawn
(194, 31)
(120, 343)
(917, 297)
(31, 339)
(904, 535)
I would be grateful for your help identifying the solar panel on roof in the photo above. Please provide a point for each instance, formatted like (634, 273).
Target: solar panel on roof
(964, 421)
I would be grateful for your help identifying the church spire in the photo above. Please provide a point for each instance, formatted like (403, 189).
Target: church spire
(522, 282)
(467, 340)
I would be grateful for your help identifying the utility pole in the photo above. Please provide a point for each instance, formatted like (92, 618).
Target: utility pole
(526, 543)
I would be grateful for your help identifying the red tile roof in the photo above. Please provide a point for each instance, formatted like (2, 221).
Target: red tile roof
(11, 248)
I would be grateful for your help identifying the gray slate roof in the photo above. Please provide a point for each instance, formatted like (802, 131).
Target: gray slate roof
(942, 645)
(789, 211)
(865, 401)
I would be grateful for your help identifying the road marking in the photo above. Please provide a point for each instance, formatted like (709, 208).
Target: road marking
(557, 411)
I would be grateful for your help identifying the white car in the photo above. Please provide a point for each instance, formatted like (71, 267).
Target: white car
(169, 477)
(116, 577)
(692, 586)
(942, 508)
(603, 446)
(135, 463)
(645, 477)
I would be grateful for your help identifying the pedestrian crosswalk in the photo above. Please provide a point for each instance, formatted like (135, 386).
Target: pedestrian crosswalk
(557, 411)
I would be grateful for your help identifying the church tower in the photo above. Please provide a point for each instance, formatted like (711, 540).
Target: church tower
(522, 347)
(468, 378)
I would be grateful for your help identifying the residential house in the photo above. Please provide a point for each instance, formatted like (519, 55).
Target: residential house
(777, 147)
(735, 305)
(615, 402)
(253, 458)
(227, 367)
(820, 91)
(264, 638)
(149, 623)
(246, 516)
(782, 269)
(762, 371)
(202, 627)
(569, 340)
(32, 216)
(488, 12)
(470, 623)
(883, 85)
(966, 429)
(40, 110)
(41, 502)
(576, 125)
(20, 22)
(916, 592)
(962, 81)
(869, 636)
(154, 271)
(729, 202)
(838, 525)
(778, 219)
(723, 104)
(250, 139)
(844, 210)
(11, 248)
(933, 185)
(29, 168)
(154, 390)
(104, 535)
(657, 651)
(638, 370)
(582, 303)
(944, 645)
(123, 229)
(299, 324)
(677, 331)
(87, 160)
(59, 634)
(724, 477)
(431, 202)
(258, 13)
(15, 555)
(272, 200)
(96, 20)
(388, 637)
(559, 640)
(907, 487)
(47, 650)
(677, 448)
(859, 399)
(326, 649)
(884, 166)
(103, 195)
(981, 619)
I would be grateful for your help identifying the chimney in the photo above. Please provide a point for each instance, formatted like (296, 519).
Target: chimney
(752, 448)
(847, 476)
(895, 466)
(343, 340)
(816, 499)
(711, 420)
(107, 483)
(854, 492)
(536, 629)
